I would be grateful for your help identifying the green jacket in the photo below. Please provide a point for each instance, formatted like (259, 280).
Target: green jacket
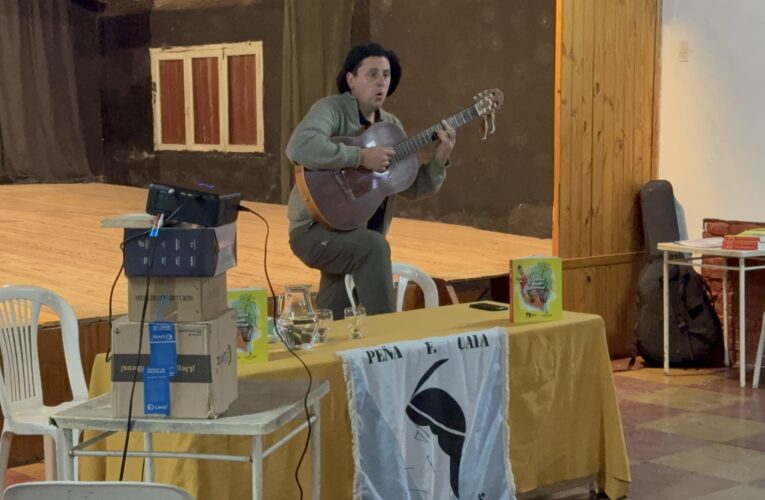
(309, 145)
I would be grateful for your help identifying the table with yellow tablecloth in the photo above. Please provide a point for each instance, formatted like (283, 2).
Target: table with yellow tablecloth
(564, 419)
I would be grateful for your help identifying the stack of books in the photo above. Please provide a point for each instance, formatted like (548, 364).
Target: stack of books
(751, 239)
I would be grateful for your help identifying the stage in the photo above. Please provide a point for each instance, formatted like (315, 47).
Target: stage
(52, 238)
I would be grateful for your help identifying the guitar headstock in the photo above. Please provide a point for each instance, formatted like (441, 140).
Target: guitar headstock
(488, 101)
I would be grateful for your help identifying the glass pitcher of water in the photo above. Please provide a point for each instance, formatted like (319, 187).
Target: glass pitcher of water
(297, 320)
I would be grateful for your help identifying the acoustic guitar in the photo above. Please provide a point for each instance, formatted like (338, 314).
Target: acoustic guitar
(346, 198)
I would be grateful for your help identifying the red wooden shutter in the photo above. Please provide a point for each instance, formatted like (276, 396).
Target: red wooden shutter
(242, 99)
(171, 96)
(204, 73)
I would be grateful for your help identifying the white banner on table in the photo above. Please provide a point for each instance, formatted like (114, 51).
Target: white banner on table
(429, 418)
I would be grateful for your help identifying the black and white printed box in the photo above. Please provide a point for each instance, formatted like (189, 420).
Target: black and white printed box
(180, 251)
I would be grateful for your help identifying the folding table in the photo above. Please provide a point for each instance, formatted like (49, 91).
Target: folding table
(261, 408)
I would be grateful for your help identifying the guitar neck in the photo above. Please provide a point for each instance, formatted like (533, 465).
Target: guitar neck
(413, 144)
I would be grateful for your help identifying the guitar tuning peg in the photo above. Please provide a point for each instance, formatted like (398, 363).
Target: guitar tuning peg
(485, 127)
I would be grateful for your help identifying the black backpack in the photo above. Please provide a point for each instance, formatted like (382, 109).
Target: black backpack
(694, 327)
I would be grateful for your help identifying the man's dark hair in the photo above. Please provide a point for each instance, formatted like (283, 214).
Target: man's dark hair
(361, 52)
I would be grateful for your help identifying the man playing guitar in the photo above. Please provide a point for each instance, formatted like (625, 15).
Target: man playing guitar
(370, 74)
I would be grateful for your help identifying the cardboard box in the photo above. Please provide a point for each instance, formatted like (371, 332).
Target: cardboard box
(177, 299)
(180, 251)
(205, 382)
(536, 289)
(251, 306)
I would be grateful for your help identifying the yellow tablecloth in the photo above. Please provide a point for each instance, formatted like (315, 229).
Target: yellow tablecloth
(564, 418)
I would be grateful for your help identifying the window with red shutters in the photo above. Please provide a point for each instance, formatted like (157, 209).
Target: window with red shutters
(208, 98)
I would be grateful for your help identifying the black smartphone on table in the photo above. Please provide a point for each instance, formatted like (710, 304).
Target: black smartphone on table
(488, 306)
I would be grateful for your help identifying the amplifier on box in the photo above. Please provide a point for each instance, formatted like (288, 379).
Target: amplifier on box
(194, 207)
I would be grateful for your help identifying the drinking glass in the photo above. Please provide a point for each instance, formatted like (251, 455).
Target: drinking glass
(354, 318)
(324, 317)
(297, 319)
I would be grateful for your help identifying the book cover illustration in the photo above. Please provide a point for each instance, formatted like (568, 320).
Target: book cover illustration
(251, 306)
(536, 291)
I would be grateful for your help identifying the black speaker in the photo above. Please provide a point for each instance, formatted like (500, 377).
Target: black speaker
(195, 207)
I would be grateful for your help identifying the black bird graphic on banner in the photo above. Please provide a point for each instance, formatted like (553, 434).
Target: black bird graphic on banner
(438, 410)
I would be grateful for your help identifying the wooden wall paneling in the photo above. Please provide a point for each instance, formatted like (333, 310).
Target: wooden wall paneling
(643, 103)
(624, 119)
(616, 80)
(573, 35)
(560, 155)
(575, 179)
(582, 118)
(643, 73)
(95, 337)
(618, 237)
(639, 122)
(607, 127)
(52, 365)
(652, 18)
(606, 286)
(626, 136)
(562, 227)
(605, 67)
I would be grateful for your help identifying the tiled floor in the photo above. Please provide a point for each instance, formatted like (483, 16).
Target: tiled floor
(692, 435)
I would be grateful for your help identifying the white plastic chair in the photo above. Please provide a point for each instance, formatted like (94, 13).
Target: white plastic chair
(21, 396)
(105, 490)
(405, 274)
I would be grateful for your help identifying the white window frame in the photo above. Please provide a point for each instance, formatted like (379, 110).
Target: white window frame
(221, 52)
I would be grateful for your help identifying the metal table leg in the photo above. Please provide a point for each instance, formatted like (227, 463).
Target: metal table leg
(665, 302)
(148, 462)
(64, 455)
(316, 452)
(257, 467)
(726, 320)
(758, 361)
(742, 321)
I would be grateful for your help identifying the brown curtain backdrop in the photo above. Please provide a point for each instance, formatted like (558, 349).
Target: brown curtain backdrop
(316, 38)
(40, 133)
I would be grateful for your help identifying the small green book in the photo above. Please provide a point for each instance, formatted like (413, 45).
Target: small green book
(758, 232)
(536, 289)
(251, 306)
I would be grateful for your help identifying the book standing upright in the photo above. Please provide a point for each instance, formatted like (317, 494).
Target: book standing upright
(536, 289)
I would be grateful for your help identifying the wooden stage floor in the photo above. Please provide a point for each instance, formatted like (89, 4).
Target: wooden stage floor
(51, 237)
